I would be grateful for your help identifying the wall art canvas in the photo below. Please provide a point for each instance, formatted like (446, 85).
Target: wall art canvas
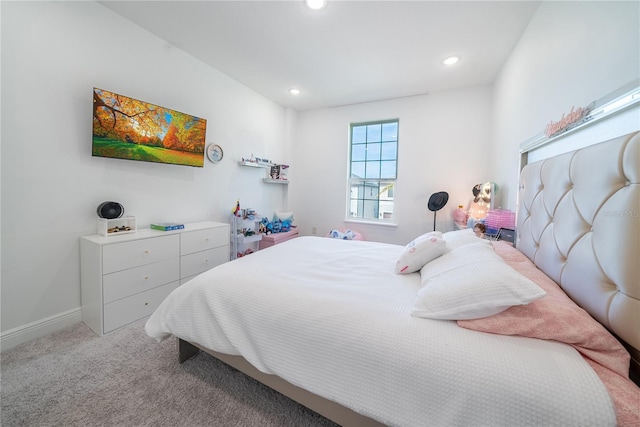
(127, 128)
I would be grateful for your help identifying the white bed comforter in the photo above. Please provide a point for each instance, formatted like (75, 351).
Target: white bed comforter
(330, 316)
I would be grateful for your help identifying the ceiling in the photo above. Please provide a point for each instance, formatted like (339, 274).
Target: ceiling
(347, 53)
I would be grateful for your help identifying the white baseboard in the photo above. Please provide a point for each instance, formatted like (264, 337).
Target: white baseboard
(40, 328)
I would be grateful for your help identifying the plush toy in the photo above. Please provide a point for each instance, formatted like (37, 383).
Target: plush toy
(460, 217)
(275, 226)
(344, 235)
(265, 226)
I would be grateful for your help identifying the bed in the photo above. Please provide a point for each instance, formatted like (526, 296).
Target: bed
(459, 331)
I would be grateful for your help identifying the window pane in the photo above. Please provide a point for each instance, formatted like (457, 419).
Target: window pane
(372, 188)
(373, 170)
(357, 169)
(386, 190)
(358, 152)
(359, 134)
(387, 169)
(389, 151)
(356, 208)
(355, 190)
(373, 133)
(371, 209)
(373, 151)
(390, 131)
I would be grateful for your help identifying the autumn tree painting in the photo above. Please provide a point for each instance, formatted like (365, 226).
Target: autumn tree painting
(127, 128)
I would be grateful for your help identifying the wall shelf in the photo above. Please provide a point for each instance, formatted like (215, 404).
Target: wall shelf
(255, 164)
(269, 167)
(275, 181)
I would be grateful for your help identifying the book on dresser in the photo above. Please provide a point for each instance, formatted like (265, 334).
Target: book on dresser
(167, 226)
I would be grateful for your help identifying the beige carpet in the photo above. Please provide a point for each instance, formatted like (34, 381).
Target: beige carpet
(75, 378)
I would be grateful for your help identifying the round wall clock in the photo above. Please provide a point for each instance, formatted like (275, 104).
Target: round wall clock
(214, 153)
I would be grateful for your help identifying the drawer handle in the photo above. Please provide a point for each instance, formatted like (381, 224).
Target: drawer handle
(146, 303)
(147, 252)
(206, 261)
(146, 277)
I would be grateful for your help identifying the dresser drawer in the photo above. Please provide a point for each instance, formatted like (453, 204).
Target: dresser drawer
(124, 311)
(123, 283)
(200, 240)
(120, 256)
(199, 262)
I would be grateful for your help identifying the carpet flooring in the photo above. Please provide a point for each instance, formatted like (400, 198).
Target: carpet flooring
(75, 378)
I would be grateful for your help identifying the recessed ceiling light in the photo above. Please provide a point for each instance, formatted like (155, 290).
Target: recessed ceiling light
(316, 4)
(451, 60)
(294, 91)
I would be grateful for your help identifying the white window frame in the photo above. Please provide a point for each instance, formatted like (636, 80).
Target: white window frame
(383, 181)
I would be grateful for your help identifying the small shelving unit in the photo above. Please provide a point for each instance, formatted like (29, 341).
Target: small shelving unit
(116, 226)
(241, 243)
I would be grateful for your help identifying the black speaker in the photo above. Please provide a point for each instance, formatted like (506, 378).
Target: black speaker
(110, 210)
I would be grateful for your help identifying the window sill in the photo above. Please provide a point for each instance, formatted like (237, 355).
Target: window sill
(380, 223)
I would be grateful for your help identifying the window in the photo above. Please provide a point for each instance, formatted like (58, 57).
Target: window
(373, 168)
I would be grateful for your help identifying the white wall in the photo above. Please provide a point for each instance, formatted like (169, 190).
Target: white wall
(571, 54)
(53, 54)
(442, 140)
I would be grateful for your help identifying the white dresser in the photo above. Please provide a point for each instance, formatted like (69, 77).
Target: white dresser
(125, 278)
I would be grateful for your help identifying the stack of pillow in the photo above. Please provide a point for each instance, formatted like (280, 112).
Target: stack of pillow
(462, 277)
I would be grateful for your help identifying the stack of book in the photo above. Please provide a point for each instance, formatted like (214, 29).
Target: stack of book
(166, 226)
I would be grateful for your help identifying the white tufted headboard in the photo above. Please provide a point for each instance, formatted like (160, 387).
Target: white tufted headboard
(579, 221)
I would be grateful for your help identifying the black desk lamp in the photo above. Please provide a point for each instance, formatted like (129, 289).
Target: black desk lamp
(437, 202)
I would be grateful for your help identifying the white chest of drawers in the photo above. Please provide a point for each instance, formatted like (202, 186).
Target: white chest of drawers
(125, 278)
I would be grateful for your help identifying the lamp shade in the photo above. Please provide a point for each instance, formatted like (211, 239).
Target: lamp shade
(437, 201)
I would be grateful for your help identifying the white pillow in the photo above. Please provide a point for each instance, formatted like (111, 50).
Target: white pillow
(477, 252)
(420, 251)
(459, 288)
(458, 238)
(283, 216)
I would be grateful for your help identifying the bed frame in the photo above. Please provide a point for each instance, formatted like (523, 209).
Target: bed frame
(578, 220)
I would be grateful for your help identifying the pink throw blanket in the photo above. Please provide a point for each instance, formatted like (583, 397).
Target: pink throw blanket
(556, 317)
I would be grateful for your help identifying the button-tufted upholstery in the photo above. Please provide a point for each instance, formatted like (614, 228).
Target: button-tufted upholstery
(579, 222)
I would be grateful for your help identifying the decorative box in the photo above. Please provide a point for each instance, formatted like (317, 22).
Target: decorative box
(275, 238)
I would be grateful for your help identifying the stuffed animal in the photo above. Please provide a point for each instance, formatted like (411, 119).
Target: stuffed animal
(460, 217)
(275, 226)
(265, 226)
(344, 235)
